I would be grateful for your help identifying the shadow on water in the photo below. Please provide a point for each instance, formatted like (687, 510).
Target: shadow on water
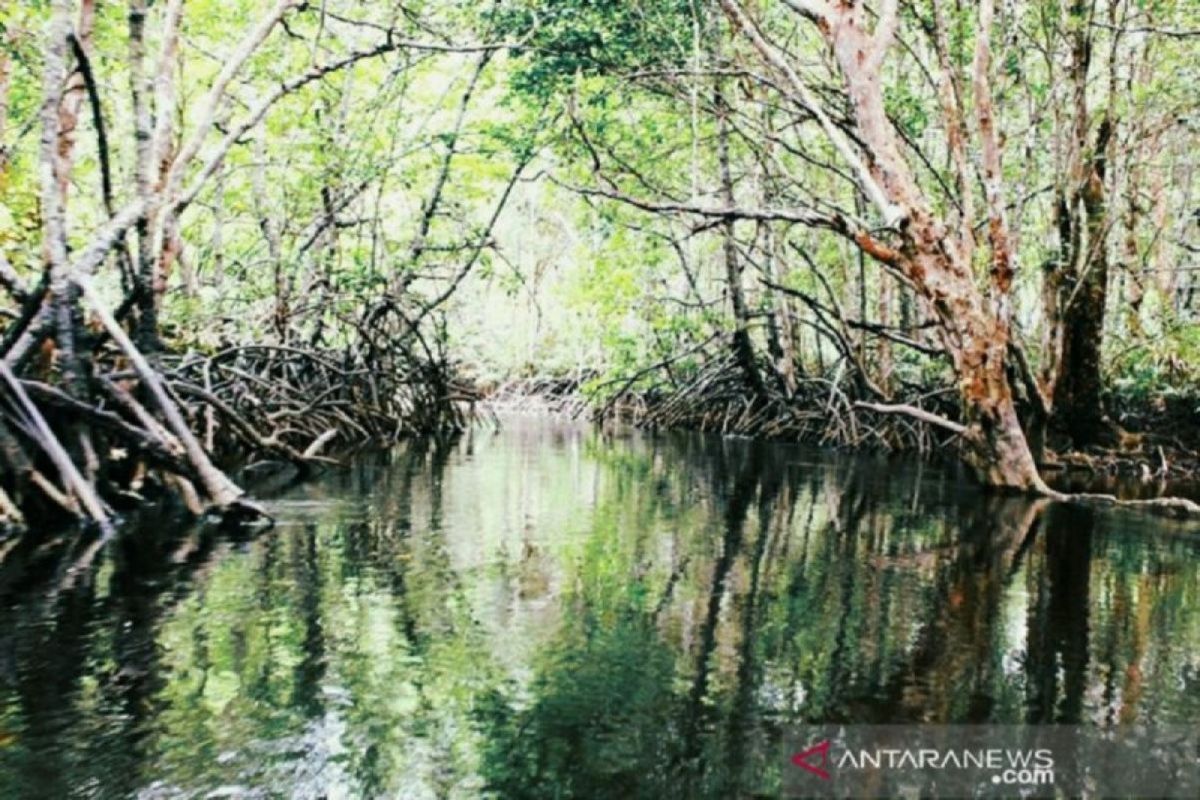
(551, 612)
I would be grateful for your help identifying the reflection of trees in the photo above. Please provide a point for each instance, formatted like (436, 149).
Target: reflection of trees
(1058, 620)
(601, 721)
(746, 476)
(82, 661)
(42, 664)
(891, 611)
(774, 508)
(709, 593)
(605, 719)
(859, 595)
(601, 717)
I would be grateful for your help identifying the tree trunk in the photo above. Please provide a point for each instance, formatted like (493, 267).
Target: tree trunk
(269, 224)
(885, 357)
(974, 331)
(1080, 289)
(1133, 265)
(1078, 401)
(743, 348)
(144, 177)
(71, 104)
(974, 328)
(781, 335)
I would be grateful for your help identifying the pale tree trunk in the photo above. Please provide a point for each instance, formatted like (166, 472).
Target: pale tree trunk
(71, 104)
(144, 179)
(1134, 267)
(1166, 268)
(974, 329)
(54, 226)
(1141, 145)
(9, 278)
(780, 325)
(269, 225)
(950, 95)
(885, 358)
(327, 250)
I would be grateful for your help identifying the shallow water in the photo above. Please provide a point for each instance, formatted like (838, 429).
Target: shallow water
(550, 612)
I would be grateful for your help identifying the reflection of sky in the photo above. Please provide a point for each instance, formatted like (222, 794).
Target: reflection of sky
(1015, 621)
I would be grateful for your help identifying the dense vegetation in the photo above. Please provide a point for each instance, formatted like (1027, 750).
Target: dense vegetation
(239, 230)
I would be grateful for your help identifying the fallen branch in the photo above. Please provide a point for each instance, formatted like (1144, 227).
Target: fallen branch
(929, 417)
(1179, 508)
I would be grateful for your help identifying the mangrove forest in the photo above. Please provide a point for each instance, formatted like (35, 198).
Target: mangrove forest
(568, 398)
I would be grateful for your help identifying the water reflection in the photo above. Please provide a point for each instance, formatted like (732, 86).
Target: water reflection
(549, 612)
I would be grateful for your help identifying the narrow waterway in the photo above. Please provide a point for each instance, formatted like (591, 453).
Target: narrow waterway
(549, 611)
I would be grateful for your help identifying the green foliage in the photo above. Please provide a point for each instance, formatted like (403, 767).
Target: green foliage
(583, 38)
(1161, 369)
(610, 95)
(907, 108)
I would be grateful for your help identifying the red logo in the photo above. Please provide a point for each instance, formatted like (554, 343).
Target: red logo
(801, 760)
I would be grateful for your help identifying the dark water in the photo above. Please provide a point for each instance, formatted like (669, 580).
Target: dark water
(549, 613)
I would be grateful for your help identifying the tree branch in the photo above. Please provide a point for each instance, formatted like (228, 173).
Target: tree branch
(916, 413)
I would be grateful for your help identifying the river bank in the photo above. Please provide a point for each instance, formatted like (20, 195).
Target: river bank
(1153, 450)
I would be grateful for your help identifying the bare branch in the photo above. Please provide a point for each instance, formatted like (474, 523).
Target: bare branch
(260, 110)
(804, 97)
(209, 106)
(814, 10)
(220, 489)
(810, 218)
(916, 413)
(1174, 33)
(54, 449)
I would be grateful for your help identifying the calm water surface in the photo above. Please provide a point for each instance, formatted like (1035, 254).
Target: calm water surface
(550, 612)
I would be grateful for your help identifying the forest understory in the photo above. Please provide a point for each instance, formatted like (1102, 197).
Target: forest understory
(237, 238)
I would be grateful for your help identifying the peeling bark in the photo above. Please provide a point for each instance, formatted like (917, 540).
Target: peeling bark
(72, 103)
(974, 332)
